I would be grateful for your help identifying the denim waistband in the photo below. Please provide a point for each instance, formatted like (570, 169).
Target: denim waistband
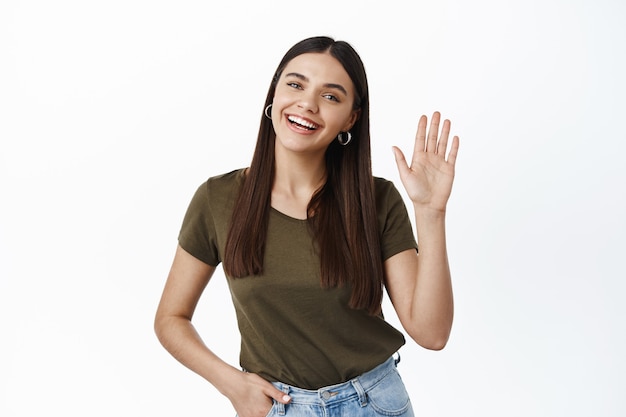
(356, 387)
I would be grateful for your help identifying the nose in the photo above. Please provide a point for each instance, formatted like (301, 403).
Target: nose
(308, 101)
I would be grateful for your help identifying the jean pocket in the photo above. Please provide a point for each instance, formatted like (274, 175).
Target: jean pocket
(389, 396)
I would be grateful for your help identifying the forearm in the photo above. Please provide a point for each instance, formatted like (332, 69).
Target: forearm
(432, 307)
(179, 337)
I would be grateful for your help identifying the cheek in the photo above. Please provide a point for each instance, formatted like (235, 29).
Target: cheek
(344, 122)
(351, 121)
(279, 102)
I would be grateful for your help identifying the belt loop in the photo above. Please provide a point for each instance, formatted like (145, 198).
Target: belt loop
(280, 407)
(360, 391)
(397, 361)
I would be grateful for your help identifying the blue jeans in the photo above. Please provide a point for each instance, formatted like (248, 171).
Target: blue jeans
(379, 392)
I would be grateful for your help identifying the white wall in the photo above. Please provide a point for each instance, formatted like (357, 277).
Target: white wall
(112, 113)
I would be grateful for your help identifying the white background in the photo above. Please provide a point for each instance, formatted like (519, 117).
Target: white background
(112, 113)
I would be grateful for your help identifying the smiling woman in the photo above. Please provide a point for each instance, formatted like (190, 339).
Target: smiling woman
(308, 239)
(312, 102)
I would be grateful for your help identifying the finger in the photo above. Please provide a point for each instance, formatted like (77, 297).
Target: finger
(454, 150)
(420, 136)
(403, 167)
(442, 144)
(433, 131)
(277, 394)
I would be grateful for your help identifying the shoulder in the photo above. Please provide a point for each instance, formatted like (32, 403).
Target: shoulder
(393, 219)
(384, 189)
(224, 184)
(232, 178)
(390, 205)
(381, 183)
(217, 191)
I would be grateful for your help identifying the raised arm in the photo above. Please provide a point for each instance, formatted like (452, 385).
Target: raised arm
(250, 394)
(419, 286)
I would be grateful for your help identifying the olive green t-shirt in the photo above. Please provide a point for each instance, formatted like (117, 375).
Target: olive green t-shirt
(292, 330)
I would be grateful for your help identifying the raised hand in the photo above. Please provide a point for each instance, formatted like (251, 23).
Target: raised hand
(428, 180)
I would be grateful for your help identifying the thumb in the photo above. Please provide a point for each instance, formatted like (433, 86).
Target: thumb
(403, 167)
(278, 395)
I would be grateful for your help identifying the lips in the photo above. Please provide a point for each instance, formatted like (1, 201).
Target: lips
(301, 123)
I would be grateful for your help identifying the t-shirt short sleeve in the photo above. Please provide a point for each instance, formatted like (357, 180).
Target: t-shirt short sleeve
(197, 234)
(395, 227)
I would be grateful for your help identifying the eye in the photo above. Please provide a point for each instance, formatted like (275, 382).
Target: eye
(331, 97)
(294, 85)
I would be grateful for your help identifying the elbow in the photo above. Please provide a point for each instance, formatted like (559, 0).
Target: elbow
(431, 334)
(157, 327)
(431, 340)
(435, 344)
(160, 328)
(169, 329)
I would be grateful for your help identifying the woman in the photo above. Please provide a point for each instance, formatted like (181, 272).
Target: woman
(308, 239)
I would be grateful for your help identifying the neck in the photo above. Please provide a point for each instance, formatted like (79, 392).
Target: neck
(296, 180)
(299, 174)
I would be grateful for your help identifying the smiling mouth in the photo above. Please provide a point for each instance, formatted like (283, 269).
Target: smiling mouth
(302, 123)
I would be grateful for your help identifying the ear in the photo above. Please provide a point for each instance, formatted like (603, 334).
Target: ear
(354, 116)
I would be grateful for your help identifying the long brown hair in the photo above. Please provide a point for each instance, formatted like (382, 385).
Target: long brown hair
(344, 223)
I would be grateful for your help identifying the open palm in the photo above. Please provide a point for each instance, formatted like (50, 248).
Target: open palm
(428, 180)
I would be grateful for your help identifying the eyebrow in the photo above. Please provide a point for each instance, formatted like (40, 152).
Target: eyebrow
(327, 85)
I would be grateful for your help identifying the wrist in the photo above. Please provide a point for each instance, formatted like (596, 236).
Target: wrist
(428, 213)
(227, 380)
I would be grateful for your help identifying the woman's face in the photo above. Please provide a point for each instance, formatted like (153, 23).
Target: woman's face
(312, 103)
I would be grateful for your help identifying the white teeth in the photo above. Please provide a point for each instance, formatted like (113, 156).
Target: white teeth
(302, 122)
